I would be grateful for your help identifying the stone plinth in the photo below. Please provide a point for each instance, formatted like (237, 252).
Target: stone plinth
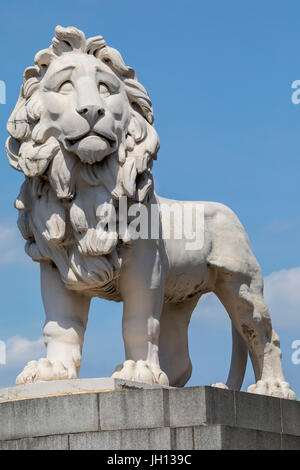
(127, 416)
(66, 387)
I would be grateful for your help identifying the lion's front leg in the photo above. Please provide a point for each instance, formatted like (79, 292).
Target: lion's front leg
(142, 289)
(66, 318)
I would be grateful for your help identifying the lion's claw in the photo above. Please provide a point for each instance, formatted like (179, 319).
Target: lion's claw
(274, 388)
(44, 370)
(141, 371)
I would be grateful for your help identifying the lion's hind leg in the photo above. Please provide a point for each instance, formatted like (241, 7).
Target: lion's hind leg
(173, 341)
(242, 296)
(239, 357)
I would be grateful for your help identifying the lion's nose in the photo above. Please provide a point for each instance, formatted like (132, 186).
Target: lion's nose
(91, 113)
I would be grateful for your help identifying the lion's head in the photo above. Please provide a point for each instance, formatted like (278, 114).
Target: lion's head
(82, 133)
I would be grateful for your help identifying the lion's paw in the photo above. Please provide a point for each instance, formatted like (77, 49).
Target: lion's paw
(220, 385)
(274, 388)
(141, 371)
(44, 370)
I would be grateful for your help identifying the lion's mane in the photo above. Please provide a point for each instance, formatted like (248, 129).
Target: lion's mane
(56, 217)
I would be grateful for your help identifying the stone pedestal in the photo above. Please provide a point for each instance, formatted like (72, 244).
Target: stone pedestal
(85, 414)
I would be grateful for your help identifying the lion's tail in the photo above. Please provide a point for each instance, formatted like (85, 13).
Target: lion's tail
(239, 358)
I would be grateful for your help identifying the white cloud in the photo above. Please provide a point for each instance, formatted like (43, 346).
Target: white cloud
(21, 350)
(11, 244)
(282, 225)
(282, 294)
(210, 310)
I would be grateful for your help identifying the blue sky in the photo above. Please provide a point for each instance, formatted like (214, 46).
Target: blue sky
(219, 75)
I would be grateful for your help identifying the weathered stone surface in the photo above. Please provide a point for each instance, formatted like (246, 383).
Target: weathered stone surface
(200, 405)
(187, 406)
(132, 409)
(258, 412)
(234, 438)
(151, 419)
(290, 417)
(207, 437)
(49, 416)
(59, 442)
(219, 437)
(290, 442)
(129, 439)
(220, 407)
(182, 438)
(57, 387)
(103, 440)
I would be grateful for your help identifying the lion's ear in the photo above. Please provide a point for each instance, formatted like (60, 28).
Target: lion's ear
(12, 147)
(139, 99)
(30, 81)
(17, 124)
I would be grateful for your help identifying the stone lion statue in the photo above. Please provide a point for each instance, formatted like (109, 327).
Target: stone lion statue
(82, 133)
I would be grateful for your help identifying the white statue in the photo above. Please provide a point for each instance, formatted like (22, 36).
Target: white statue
(82, 133)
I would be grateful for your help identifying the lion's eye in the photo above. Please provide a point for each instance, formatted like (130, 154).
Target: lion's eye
(66, 87)
(103, 89)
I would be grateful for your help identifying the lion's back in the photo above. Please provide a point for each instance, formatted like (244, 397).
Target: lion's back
(225, 246)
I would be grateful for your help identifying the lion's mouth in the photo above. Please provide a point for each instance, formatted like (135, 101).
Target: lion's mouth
(110, 140)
